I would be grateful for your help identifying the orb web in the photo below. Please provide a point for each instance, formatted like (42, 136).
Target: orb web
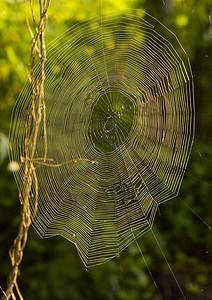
(120, 112)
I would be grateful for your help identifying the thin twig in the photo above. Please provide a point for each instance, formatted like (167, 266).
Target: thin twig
(34, 118)
(44, 163)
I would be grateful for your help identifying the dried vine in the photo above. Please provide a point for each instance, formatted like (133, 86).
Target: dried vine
(37, 114)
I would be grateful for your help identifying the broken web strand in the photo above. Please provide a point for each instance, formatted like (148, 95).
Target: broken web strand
(202, 156)
(203, 137)
(194, 213)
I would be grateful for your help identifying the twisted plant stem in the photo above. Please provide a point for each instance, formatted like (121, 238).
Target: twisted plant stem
(37, 113)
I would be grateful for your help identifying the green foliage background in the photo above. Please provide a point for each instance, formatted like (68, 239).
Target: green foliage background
(51, 268)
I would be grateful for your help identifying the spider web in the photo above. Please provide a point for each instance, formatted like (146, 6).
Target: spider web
(120, 128)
